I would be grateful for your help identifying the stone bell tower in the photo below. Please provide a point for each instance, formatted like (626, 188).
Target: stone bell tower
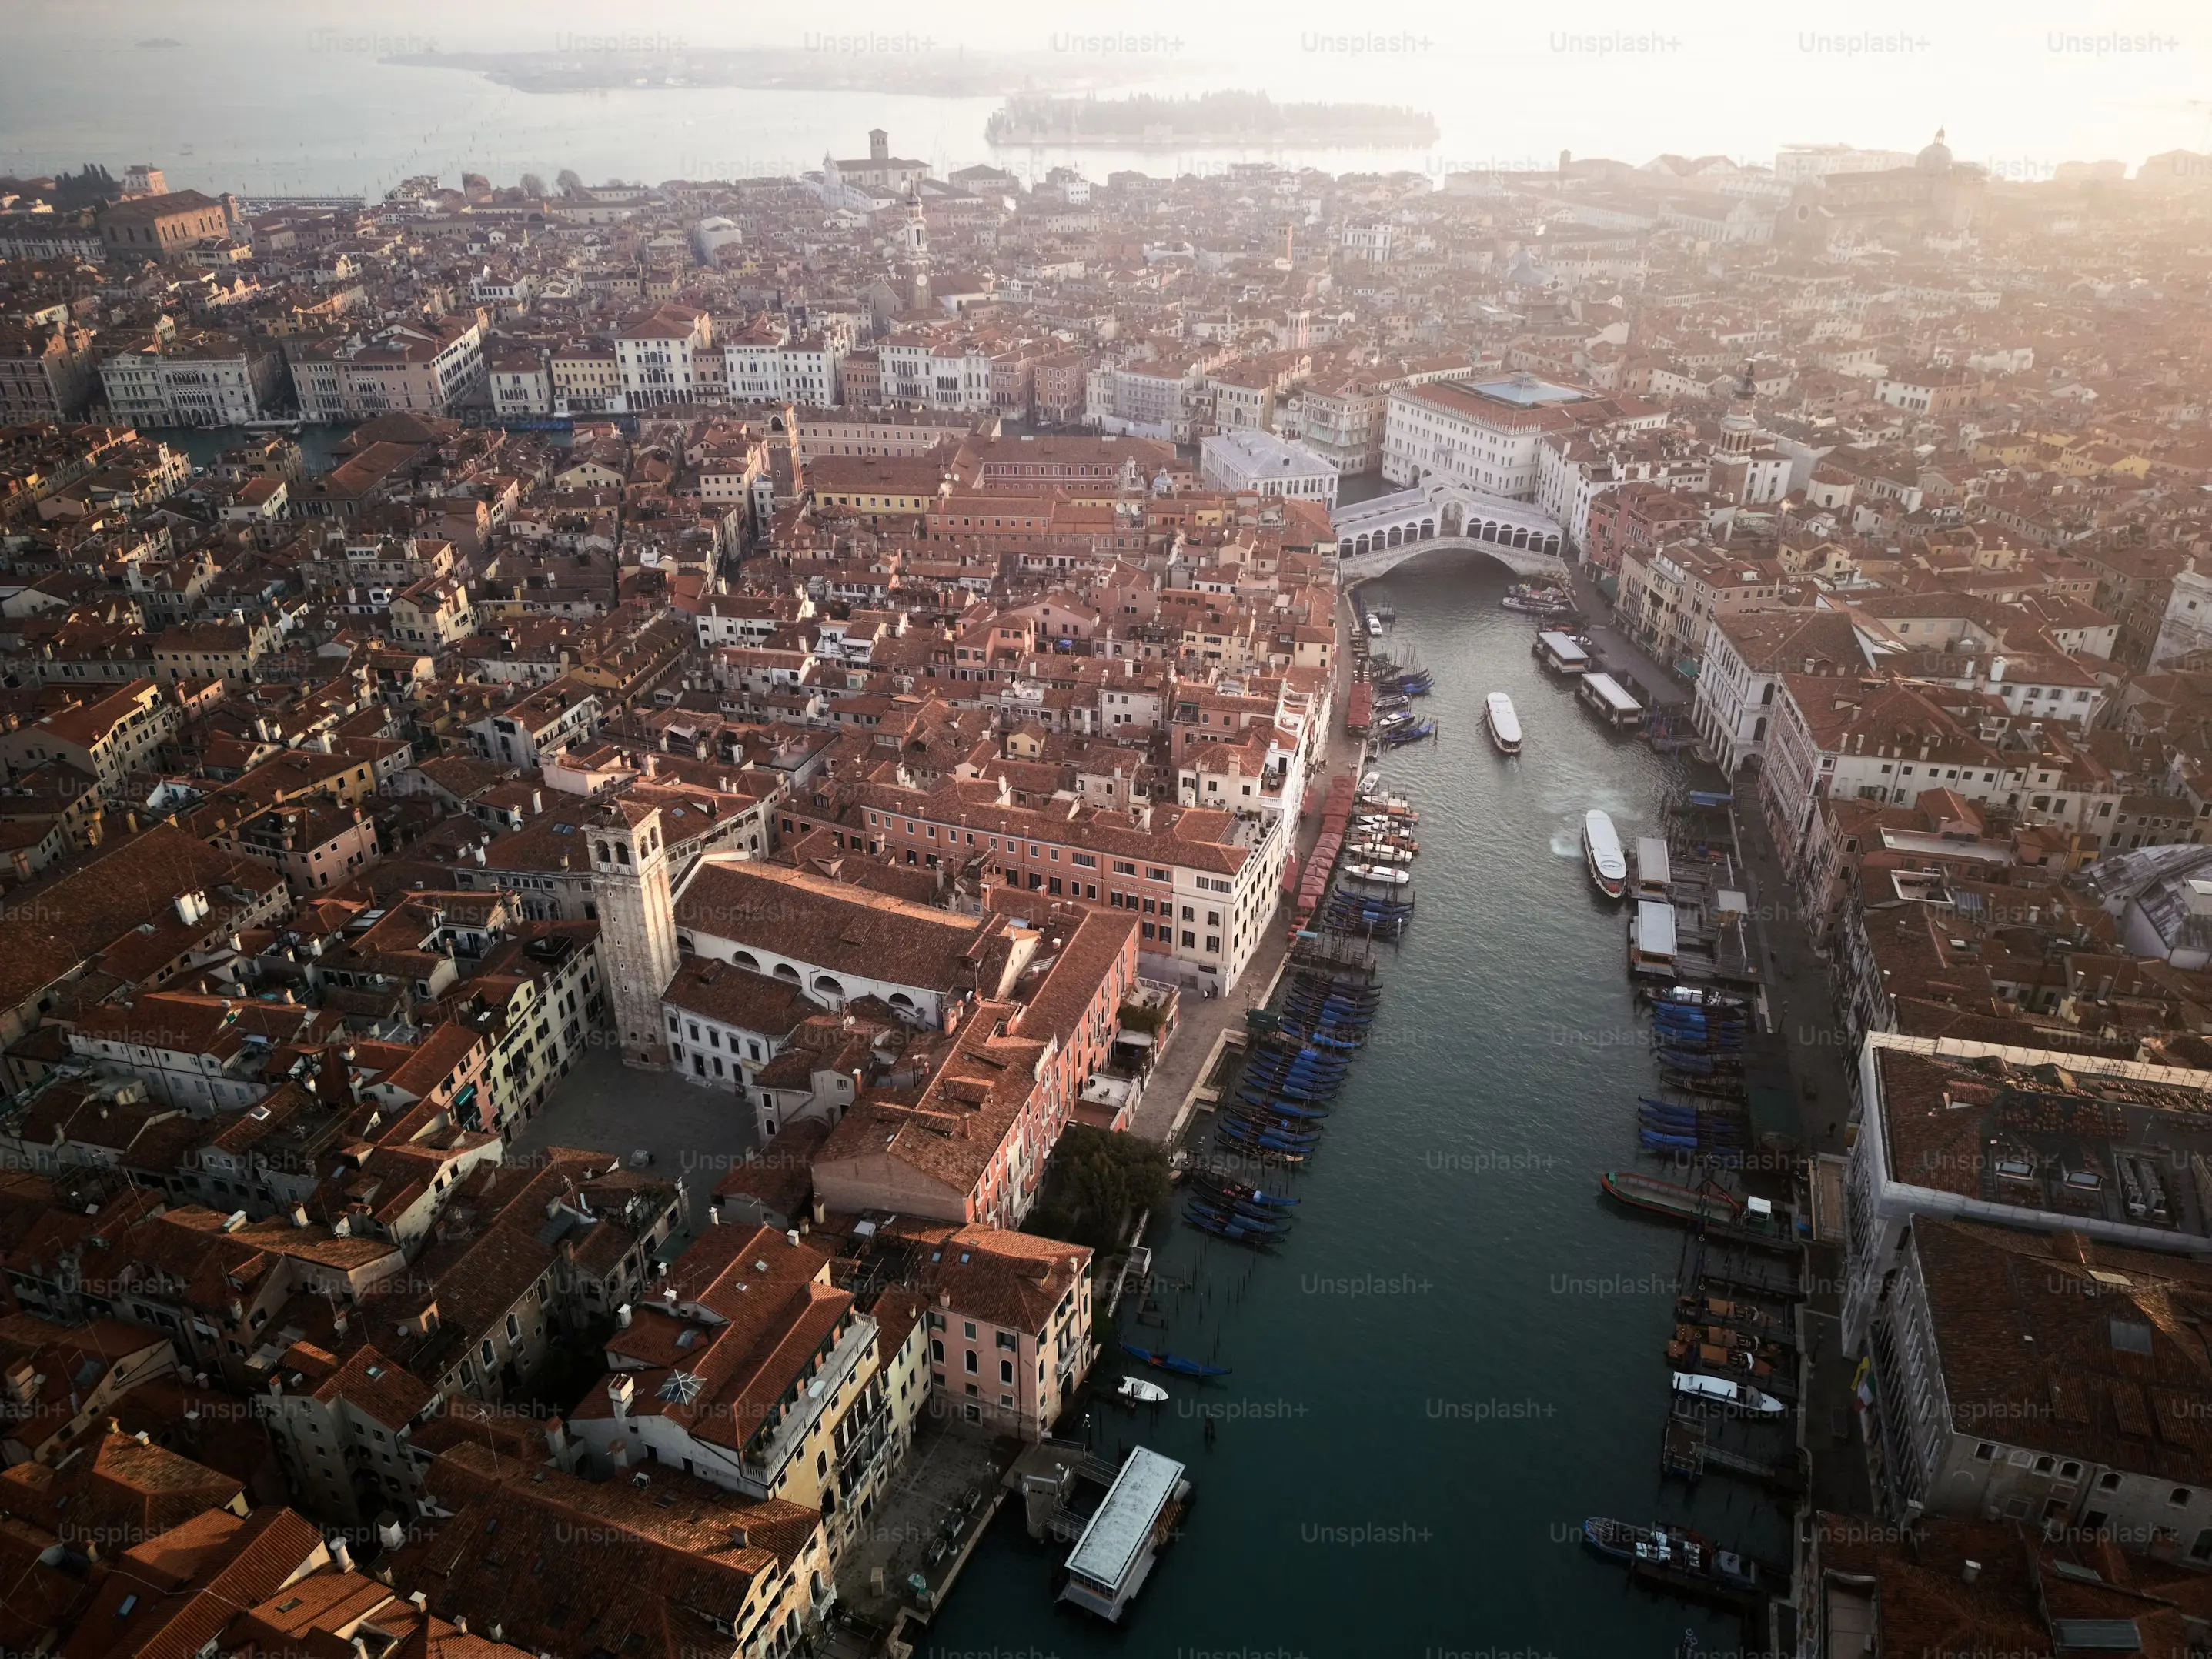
(637, 923)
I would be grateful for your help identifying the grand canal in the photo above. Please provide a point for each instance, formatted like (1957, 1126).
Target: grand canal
(1457, 1356)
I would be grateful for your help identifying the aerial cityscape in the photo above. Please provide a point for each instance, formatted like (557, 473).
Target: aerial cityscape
(1151, 841)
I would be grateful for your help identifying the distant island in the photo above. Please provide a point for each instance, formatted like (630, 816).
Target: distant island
(159, 40)
(927, 73)
(1212, 117)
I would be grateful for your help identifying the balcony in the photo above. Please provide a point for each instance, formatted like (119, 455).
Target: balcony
(798, 1419)
(1076, 1357)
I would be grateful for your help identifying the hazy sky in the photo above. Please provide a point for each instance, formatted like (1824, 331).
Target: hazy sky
(2021, 88)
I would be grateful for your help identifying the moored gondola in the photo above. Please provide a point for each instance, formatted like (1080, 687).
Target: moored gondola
(1240, 1191)
(1277, 1227)
(1161, 1361)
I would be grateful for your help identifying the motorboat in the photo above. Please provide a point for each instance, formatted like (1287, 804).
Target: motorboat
(1377, 875)
(1601, 848)
(1135, 1391)
(1729, 1392)
(1621, 1540)
(1692, 1207)
(1377, 852)
(1504, 724)
(1543, 599)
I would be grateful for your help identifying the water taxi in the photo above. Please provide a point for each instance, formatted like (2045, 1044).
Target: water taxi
(1728, 1394)
(1377, 875)
(1504, 724)
(1601, 848)
(1375, 852)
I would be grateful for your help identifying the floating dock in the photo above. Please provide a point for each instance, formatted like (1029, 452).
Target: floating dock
(1115, 1554)
(1561, 653)
(1607, 698)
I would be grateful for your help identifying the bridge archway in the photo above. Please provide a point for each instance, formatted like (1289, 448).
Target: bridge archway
(1540, 561)
(1381, 533)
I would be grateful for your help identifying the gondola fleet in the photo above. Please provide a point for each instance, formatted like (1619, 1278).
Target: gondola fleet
(1393, 721)
(1299, 1051)
(1698, 1038)
(1298, 1058)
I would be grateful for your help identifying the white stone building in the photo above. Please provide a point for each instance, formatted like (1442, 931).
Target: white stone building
(1260, 464)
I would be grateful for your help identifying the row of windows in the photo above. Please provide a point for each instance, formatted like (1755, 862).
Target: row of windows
(970, 1364)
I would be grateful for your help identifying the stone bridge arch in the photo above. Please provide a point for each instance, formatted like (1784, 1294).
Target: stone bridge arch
(1380, 534)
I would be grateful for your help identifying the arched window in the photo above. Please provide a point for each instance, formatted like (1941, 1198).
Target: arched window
(829, 986)
(747, 960)
(683, 942)
(784, 970)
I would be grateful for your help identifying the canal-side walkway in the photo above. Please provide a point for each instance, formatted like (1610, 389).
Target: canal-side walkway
(1803, 1007)
(1799, 995)
(1200, 1024)
(1618, 651)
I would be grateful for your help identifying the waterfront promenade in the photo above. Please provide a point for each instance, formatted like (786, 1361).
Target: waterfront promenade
(1619, 652)
(1202, 1023)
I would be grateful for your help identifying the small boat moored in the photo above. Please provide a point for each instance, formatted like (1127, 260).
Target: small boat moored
(1377, 875)
(1620, 1541)
(1135, 1391)
(1543, 599)
(1729, 1392)
(1375, 852)
(1669, 1198)
(1504, 724)
(1601, 846)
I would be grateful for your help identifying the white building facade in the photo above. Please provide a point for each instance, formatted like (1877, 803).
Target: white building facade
(1246, 461)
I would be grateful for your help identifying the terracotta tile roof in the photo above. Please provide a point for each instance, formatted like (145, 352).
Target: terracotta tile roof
(563, 1565)
(839, 926)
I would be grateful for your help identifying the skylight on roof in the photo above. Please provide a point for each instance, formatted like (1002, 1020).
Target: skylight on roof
(2128, 1337)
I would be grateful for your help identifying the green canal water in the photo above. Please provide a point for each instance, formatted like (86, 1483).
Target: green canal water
(1457, 1356)
(202, 446)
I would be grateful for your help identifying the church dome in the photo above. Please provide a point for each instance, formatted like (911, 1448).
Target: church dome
(1936, 158)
